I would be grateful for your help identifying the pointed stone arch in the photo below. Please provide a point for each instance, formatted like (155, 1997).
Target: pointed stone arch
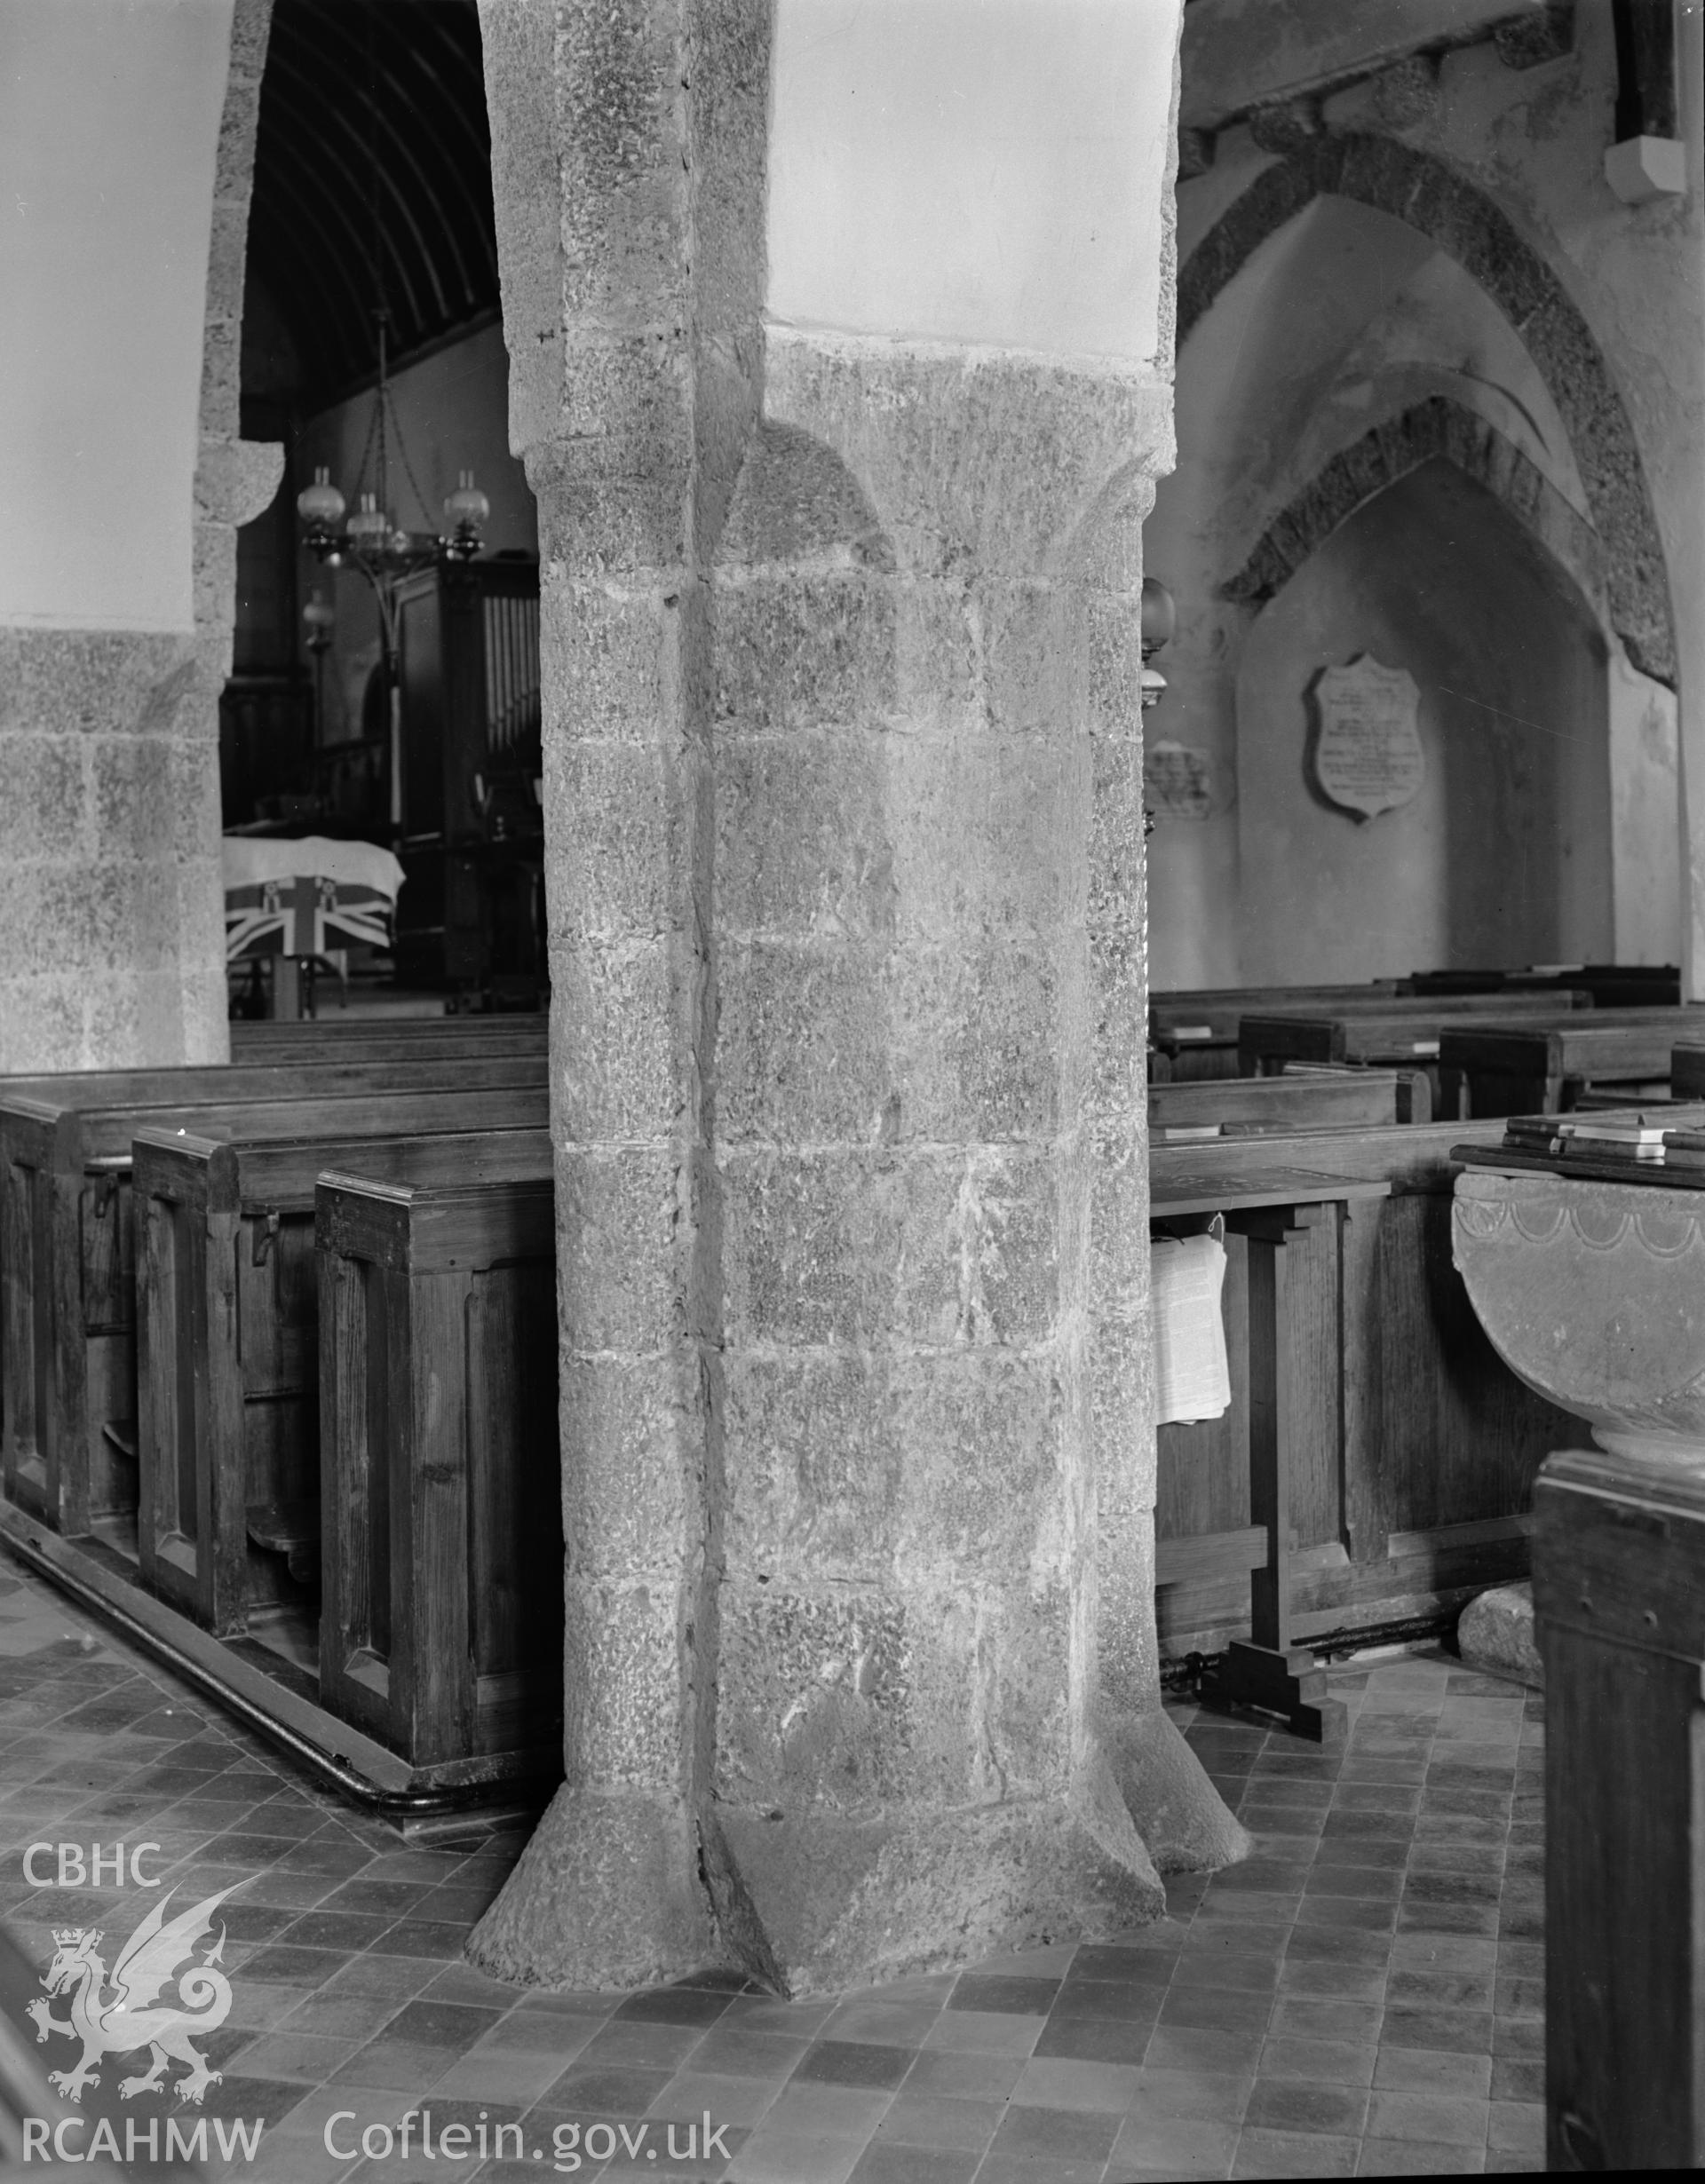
(1430, 196)
(1437, 428)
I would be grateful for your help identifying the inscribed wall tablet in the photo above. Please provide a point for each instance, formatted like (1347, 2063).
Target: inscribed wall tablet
(1367, 755)
(1175, 781)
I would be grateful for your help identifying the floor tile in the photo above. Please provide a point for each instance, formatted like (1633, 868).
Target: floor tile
(1436, 2119)
(1365, 1992)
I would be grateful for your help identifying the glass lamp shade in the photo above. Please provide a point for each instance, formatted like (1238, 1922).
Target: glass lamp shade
(1160, 616)
(1154, 686)
(369, 525)
(321, 505)
(467, 508)
(319, 618)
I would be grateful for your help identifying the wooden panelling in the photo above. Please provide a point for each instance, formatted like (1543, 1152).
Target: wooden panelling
(1408, 1421)
(442, 1632)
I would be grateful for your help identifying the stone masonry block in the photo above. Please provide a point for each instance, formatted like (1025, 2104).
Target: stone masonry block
(986, 833)
(69, 681)
(606, 655)
(979, 1247)
(627, 399)
(799, 652)
(1117, 855)
(627, 1427)
(624, 158)
(617, 840)
(813, 1698)
(801, 1048)
(1033, 678)
(155, 798)
(618, 1070)
(619, 1285)
(1109, 632)
(980, 1485)
(593, 527)
(622, 1674)
(1119, 1000)
(42, 801)
(939, 658)
(40, 1020)
(1119, 1220)
(932, 1247)
(228, 248)
(978, 1043)
(811, 1246)
(812, 1452)
(802, 835)
(113, 916)
(138, 1021)
(729, 70)
(796, 501)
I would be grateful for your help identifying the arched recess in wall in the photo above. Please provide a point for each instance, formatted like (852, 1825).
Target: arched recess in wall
(1438, 428)
(1504, 853)
(1429, 196)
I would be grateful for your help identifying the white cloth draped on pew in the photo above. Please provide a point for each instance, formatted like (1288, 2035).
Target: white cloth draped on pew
(306, 897)
(1191, 1370)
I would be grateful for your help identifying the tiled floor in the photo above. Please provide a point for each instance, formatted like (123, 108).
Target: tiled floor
(1362, 1998)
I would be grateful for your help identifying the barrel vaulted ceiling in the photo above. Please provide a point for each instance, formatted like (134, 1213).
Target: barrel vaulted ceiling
(372, 182)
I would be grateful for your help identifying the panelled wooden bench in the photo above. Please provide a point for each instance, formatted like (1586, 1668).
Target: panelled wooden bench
(67, 1255)
(1414, 1447)
(1544, 1068)
(1612, 986)
(347, 1063)
(1245, 1106)
(1192, 1030)
(441, 1631)
(1386, 1034)
(227, 1344)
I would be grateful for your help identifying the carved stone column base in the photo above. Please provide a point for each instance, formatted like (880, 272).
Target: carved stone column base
(606, 1894)
(1177, 1810)
(823, 1902)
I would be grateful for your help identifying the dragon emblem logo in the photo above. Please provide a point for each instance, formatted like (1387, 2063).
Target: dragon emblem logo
(129, 2016)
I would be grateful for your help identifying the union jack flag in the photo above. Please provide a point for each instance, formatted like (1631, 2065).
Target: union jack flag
(305, 914)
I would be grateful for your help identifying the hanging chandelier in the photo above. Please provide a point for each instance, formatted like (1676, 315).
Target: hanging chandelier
(381, 550)
(369, 541)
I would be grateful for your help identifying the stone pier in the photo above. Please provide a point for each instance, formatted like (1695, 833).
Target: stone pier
(844, 818)
(133, 163)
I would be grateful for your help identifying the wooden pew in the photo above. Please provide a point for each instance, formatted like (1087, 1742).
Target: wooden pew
(1687, 1069)
(326, 1067)
(1612, 986)
(1192, 1030)
(308, 1042)
(1244, 1106)
(68, 1257)
(1543, 1068)
(1415, 1449)
(227, 1345)
(1385, 1034)
(1619, 1587)
(441, 1631)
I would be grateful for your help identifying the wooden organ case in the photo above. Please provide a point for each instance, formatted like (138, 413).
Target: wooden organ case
(472, 914)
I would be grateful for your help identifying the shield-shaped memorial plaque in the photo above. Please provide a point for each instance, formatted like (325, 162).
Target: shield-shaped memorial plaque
(1368, 753)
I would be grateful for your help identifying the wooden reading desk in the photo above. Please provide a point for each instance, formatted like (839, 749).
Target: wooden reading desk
(1272, 1207)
